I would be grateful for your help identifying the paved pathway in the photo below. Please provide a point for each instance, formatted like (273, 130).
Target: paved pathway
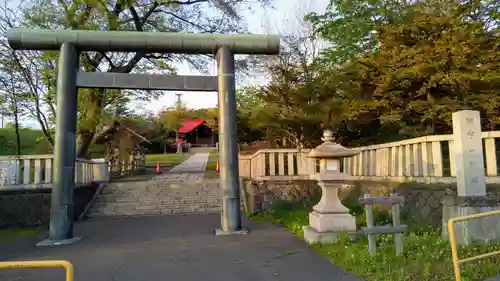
(174, 248)
(191, 170)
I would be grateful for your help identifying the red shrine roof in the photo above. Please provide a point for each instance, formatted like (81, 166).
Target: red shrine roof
(188, 126)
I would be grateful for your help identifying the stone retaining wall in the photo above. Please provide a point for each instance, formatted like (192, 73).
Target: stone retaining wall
(260, 195)
(422, 206)
(24, 208)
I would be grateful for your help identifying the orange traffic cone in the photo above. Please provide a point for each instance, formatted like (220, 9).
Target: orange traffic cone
(217, 168)
(158, 171)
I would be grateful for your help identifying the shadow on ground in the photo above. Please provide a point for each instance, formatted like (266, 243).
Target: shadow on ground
(174, 248)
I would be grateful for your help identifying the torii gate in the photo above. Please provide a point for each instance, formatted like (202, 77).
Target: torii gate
(71, 43)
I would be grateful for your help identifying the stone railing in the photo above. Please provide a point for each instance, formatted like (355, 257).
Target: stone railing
(276, 164)
(36, 171)
(424, 159)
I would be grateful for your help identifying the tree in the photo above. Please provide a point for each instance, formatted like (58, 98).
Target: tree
(435, 61)
(387, 77)
(291, 109)
(9, 99)
(22, 72)
(438, 64)
(350, 26)
(201, 16)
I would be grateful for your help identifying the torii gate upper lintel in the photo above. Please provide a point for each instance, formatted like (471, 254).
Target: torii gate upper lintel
(71, 42)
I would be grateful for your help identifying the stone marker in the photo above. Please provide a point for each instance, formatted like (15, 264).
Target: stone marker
(468, 151)
(471, 197)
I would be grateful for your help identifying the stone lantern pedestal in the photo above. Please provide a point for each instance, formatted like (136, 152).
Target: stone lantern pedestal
(329, 217)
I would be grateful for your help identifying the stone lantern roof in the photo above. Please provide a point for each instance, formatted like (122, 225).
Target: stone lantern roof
(329, 149)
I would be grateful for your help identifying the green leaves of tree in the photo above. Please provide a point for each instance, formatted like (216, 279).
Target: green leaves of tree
(395, 69)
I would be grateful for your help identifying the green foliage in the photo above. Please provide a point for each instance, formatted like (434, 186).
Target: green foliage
(350, 25)
(211, 169)
(292, 216)
(395, 70)
(170, 159)
(32, 142)
(426, 255)
(248, 102)
(9, 234)
(427, 67)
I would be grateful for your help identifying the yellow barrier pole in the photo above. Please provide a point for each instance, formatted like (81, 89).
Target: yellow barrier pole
(454, 251)
(453, 242)
(41, 264)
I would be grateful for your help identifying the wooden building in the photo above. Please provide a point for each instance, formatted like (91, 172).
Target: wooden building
(125, 150)
(197, 133)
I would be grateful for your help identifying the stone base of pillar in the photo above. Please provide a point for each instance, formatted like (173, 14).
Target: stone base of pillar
(312, 236)
(336, 222)
(325, 228)
(220, 232)
(482, 230)
(48, 243)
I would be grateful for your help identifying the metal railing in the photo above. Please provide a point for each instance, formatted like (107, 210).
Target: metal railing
(453, 243)
(41, 264)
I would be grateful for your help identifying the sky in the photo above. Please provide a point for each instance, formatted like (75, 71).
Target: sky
(259, 22)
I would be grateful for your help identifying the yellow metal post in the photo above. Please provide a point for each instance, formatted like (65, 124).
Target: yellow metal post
(453, 243)
(41, 264)
(454, 251)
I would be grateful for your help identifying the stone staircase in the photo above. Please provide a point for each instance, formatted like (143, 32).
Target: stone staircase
(156, 198)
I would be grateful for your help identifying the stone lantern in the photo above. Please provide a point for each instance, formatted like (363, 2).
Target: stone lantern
(329, 217)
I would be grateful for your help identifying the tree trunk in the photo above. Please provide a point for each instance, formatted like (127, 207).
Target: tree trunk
(92, 114)
(16, 124)
(84, 142)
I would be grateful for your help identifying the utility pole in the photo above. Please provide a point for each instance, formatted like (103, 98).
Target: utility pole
(178, 145)
(178, 100)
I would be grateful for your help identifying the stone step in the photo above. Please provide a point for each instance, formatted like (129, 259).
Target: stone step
(165, 191)
(101, 204)
(157, 203)
(154, 209)
(160, 191)
(134, 198)
(142, 200)
(165, 185)
(170, 209)
(151, 211)
(157, 197)
(129, 197)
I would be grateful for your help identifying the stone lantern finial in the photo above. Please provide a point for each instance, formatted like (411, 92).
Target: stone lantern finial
(329, 149)
(327, 136)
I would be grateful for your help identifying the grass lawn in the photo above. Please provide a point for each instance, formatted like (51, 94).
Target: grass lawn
(8, 234)
(426, 257)
(168, 159)
(210, 172)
